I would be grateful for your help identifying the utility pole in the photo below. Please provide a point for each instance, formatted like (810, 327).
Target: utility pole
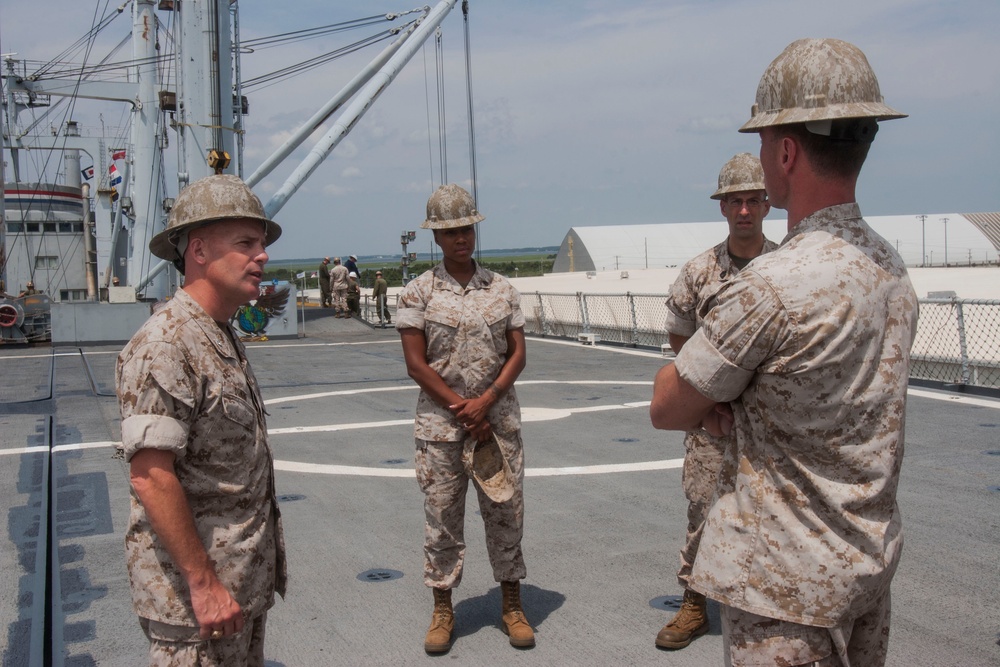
(945, 221)
(923, 239)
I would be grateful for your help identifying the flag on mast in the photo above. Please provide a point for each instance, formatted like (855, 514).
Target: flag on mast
(88, 173)
(114, 178)
(118, 154)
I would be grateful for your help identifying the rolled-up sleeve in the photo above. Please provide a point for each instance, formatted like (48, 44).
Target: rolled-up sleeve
(157, 400)
(517, 320)
(410, 308)
(745, 325)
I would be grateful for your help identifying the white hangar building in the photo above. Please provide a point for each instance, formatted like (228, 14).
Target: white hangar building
(953, 239)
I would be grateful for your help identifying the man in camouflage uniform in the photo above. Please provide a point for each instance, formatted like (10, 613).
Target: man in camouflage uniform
(743, 202)
(204, 545)
(462, 332)
(338, 284)
(805, 356)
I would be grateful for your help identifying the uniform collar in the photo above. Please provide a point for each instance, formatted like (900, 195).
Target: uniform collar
(204, 321)
(481, 279)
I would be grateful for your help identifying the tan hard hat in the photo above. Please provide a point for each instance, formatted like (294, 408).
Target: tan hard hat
(451, 206)
(489, 469)
(210, 199)
(818, 80)
(742, 173)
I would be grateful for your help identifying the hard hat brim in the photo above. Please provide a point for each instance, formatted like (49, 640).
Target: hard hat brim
(763, 119)
(452, 224)
(162, 245)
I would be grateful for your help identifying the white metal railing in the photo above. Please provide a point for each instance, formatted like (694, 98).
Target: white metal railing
(957, 340)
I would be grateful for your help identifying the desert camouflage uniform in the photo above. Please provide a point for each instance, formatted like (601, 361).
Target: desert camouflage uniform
(338, 284)
(466, 332)
(699, 279)
(811, 344)
(185, 386)
(174, 646)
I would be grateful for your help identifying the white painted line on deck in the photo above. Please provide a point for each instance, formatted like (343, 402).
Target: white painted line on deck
(956, 398)
(322, 469)
(336, 427)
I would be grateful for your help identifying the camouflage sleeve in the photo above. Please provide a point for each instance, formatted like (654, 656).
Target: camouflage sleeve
(682, 299)
(516, 320)
(411, 306)
(156, 400)
(745, 327)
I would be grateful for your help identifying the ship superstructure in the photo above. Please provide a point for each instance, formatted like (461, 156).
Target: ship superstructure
(79, 231)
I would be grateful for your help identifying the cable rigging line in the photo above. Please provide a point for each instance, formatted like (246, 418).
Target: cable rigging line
(306, 65)
(310, 33)
(442, 124)
(472, 125)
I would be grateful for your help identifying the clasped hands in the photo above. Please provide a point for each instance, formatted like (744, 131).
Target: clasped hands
(472, 414)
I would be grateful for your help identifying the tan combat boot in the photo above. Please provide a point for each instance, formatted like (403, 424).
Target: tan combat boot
(438, 639)
(515, 625)
(690, 622)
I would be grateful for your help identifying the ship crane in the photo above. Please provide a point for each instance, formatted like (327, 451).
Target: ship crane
(202, 102)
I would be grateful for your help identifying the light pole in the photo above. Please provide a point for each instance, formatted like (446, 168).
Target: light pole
(945, 221)
(923, 239)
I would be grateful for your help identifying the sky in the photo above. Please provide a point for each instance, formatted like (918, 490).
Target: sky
(589, 112)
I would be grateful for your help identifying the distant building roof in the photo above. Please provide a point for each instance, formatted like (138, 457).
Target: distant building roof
(970, 239)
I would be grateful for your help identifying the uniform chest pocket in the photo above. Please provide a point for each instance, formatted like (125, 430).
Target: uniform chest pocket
(448, 317)
(238, 411)
(496, 312)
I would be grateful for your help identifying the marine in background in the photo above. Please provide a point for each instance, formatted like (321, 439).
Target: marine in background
(743, 202)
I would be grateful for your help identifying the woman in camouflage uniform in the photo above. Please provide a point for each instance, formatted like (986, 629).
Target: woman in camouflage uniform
(462, 332)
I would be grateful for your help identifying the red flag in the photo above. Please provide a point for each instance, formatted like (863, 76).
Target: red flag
(118, 155)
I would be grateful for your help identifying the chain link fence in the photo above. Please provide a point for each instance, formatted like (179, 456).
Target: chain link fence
(957, 340)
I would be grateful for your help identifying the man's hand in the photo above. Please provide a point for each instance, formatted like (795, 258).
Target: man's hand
(155, 482)
(719, 421)
(215, 609)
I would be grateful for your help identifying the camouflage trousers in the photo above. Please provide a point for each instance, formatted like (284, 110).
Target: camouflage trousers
(749, 639)
(178, 646)
(444, 481)
(702, 462)
(340, 298)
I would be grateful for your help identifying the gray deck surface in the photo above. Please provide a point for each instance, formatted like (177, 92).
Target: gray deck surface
(600, 543)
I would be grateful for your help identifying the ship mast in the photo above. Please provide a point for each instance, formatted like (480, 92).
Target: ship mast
(145, 157)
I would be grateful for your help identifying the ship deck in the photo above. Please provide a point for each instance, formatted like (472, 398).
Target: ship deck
(605, 513)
